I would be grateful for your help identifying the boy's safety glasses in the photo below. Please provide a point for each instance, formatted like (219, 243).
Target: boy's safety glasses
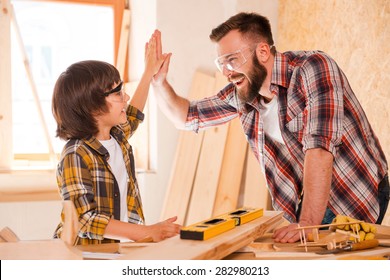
(117, 93)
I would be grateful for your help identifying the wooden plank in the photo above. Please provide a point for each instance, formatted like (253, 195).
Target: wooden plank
(186, 159)
(207, 175)
(255, 190)
(382, 231)
(384, 242)
(232, 165)
(38, 250)
(7, 235)
(123, 43)
(212, 249)
(209, 168)
(231, 170)
(113, 247)
(378, 253)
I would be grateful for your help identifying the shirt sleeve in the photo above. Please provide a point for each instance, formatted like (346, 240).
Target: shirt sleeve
(134, 118)
(212, 111)
(76, 185)
(323, 117)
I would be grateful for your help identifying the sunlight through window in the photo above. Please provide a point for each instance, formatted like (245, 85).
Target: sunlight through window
(54, 36)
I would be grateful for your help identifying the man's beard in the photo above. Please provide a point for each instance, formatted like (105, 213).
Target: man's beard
(255, 78)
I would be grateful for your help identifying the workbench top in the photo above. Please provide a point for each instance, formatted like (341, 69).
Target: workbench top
(265, 248)
(249, 241)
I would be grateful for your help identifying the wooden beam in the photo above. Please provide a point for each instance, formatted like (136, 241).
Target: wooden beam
(186, 158)
(123, 44)
(119, 7)
(382, 231)
(232, 170)
(207, 176)
(7, 235)
(255, 189)
(38, 250)
(209, 168)
(232, 165)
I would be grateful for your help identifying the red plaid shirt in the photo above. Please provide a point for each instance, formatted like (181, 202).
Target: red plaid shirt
(317, 109)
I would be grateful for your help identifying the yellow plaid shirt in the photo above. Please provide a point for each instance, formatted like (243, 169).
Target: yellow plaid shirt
(85, 177)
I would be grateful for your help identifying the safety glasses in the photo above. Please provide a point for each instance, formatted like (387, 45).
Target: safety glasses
(118, 94)
(234, 60)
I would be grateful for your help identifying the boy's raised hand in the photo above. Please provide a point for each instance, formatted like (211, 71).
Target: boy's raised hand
(154, 58)
(161, 73)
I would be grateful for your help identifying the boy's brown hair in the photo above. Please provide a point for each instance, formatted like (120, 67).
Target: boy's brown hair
(78, 97)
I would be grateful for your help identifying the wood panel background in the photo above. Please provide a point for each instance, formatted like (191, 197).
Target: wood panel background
(356, 33)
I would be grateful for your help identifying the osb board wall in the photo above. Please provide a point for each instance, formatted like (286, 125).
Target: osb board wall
(356, 33)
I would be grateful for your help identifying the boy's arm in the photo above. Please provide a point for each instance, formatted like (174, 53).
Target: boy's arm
(157, 232)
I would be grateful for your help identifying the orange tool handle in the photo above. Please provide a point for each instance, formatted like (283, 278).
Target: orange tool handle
(366, 244)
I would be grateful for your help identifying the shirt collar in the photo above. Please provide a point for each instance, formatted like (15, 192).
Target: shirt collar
(94, 143)
(280, 71)
(247, 106)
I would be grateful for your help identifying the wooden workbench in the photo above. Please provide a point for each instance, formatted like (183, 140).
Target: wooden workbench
(38, 250)
(265, 248)
(172, 248)
(249, 241)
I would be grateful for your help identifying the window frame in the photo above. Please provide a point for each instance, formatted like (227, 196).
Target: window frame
(6, 161)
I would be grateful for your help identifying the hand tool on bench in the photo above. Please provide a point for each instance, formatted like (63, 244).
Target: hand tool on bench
(366, 244)
(220, 224)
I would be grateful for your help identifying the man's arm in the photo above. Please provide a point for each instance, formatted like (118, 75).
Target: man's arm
(173, 106)
(317, 179)
(154, 58)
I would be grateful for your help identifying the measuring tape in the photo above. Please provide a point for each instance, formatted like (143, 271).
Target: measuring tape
(220, 224)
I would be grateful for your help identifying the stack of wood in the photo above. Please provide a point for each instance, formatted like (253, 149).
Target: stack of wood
(7, 235)
(214, 171)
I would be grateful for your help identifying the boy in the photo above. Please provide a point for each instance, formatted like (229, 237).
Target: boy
(96, 170)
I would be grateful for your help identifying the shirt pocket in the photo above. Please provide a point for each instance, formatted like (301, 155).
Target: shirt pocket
(295, 126)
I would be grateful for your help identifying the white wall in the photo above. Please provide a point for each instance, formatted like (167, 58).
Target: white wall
(34, 220)
(185, 27)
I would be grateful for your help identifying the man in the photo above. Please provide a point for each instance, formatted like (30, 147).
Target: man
(302, 120)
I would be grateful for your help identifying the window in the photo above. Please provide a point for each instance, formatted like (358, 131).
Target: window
(54, 34)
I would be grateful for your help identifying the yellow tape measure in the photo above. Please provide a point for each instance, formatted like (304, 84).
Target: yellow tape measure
(220, 224)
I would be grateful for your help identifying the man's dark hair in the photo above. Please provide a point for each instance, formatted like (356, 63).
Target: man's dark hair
(251, 25)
